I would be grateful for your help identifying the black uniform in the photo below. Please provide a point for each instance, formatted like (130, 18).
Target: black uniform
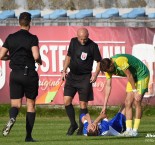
(23, 76)
(81, 63)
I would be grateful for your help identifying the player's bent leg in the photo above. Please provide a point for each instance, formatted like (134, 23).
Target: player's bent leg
(138, 108)
(128, 109)
(128, 105)
(138, 114)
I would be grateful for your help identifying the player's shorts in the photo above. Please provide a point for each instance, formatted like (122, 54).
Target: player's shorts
(21, 85)
(81, 84)
(141, 85)
(117, 124)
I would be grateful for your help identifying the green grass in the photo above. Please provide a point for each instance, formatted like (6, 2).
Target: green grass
(52, 130)
(51, 126)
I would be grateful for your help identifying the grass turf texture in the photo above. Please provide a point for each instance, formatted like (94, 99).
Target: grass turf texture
(51, 126)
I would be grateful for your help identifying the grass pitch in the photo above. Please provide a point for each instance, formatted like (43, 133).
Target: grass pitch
(51, 130)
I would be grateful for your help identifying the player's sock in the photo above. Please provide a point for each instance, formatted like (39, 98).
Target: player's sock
(71, 114)
(13, 112)
(128, 125)
(136, 124)
(30, 119)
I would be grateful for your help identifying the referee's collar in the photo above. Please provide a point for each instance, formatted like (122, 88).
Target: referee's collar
(24, 30)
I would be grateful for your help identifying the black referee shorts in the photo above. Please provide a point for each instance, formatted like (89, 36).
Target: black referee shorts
(81, 84)
(21, 85)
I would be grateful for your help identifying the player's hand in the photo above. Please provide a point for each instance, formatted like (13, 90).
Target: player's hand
(90, 127)
(137, 96)
(94, 126)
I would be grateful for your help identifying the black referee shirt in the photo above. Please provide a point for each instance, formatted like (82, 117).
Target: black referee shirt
(19, 45)
(82, 56)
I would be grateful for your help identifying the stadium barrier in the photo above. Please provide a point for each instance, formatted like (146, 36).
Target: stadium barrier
(7, 14)
(135, 13)
(113, 12)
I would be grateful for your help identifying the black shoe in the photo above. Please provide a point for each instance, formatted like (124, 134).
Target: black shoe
(30, 140)
(72, 129)
(80, 130)
(8, 127)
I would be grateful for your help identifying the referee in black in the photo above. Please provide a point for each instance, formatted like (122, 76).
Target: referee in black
(81, 54)
(21, 48)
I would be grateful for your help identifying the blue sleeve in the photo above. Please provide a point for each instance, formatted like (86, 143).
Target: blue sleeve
(104, 126)
(81, 115)
(85, 125)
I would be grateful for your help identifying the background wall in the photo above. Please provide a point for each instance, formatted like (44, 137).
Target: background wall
(53, 43)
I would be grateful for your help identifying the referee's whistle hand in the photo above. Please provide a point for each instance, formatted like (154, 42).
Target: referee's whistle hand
(63, 75)
(92, 79)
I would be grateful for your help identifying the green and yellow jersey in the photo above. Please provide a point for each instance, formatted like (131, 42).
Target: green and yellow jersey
(126, 61)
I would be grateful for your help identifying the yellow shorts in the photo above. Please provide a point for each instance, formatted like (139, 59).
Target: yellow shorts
(141, 85)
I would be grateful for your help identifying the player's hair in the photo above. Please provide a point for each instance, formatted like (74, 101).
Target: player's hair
(92, 133)
(105, 64)
(25, 19)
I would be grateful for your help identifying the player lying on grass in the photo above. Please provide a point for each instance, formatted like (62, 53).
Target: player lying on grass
(102, 127)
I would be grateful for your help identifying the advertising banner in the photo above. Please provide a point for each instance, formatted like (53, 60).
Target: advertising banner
(54, 42)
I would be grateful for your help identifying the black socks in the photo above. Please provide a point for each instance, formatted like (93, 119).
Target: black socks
(30, 119)
(71, 114)
(13, 112)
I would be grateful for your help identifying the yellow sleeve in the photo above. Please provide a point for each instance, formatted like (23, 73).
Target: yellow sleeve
(108, 75)
(122, 62)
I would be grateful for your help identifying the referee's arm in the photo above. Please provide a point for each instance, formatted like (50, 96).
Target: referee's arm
(3, 54)
(36, 55)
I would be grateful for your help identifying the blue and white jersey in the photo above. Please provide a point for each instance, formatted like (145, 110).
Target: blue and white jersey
(103, 127)
(112, 127)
